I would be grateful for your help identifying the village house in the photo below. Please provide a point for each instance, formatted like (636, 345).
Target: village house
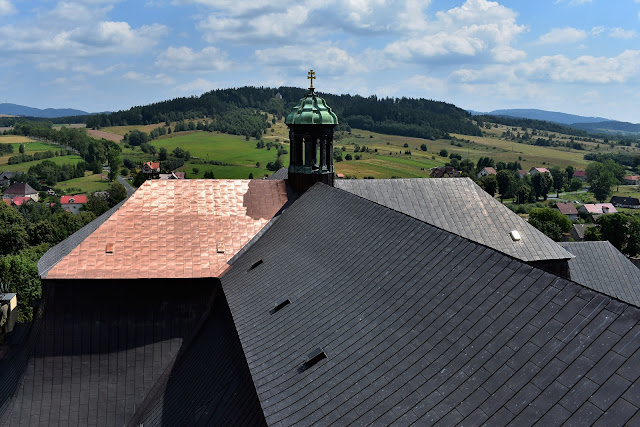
(595, 210)
(625, 202)
(580, 174)
(444, 172)
(172, 175)
(577, 231)
(486, 171)
(534, 171)
(567, 209)
(6, 177)
(20, 189)
(73, 203)
(151, 168)
(631, 179)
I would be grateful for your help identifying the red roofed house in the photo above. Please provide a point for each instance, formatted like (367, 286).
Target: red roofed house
(632, 179)
(486, 171)
(73, 203)
(151, 168)
(580, 174)
(20, 189)
(19, 201)
(568, 209)
(534, 171)
(522, 173)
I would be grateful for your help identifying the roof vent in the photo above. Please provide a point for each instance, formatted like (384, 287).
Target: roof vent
(312, 358)
(280, 306)
(255, 264)
(515, 235)
(109, 248)
(220, 247)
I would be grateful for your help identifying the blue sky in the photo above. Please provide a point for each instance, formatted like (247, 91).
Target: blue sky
(574, 56)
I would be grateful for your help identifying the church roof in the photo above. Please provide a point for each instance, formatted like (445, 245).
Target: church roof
(174, 228)
(600, 266)
(311, 110)
(458, 205)
(343, 311)
(371, 316)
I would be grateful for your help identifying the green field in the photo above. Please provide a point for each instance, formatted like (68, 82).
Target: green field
(88, 184)
(24, 167)
(241, 155)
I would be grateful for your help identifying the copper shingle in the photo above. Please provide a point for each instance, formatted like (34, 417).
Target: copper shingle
(174, 228)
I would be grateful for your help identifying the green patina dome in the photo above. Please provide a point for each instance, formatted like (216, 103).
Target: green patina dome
(311, 110)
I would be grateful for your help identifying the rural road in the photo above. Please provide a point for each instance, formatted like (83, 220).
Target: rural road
(127, 186)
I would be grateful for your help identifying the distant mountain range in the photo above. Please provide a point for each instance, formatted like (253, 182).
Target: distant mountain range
(589, 124)
(548, 116)
(50, 113)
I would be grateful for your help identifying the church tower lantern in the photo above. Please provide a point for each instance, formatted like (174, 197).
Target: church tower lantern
(311, 124)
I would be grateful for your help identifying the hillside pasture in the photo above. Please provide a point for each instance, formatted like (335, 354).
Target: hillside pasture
(122, 130)
(99, 134)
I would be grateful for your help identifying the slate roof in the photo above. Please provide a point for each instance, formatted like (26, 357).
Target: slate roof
(158, 232)
(282, 173)
(580, 229)
(460, 206)
(624, 201)
(600, 266)
(97, 352)
(20, 188)
(419, 325)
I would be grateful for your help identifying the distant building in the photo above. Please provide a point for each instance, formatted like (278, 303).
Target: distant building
(278, 95)
(568, 209)
(486, 171)
(522, 173)
(625, 202)
(151, 168)
(597, 209)
(580, 174)
(73, 203)
(20, 189)
(6, 177)
(444, 172)
(631, 179)
(172, 175)
(577, 231)
(534, 171)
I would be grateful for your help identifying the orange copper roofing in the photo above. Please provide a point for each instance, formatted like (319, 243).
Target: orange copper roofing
(175, 228)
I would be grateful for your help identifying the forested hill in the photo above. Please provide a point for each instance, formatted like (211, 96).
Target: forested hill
(396, 116)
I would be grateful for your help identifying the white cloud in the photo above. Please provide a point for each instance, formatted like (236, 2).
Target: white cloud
(6, 8)
(94, 71)
(76, 11)
(596, 31)
(148, 78)
(586, 69)
(562, 35)
(185, 59)
(468, 31)
(264, 27)
(328, 58)
(619, 33)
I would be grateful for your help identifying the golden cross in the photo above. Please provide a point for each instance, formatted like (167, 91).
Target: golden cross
(311, 75)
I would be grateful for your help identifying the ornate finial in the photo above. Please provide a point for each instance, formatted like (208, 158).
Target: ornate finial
(311, 75)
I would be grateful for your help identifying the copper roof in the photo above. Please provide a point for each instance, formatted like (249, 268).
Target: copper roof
(175, 228)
